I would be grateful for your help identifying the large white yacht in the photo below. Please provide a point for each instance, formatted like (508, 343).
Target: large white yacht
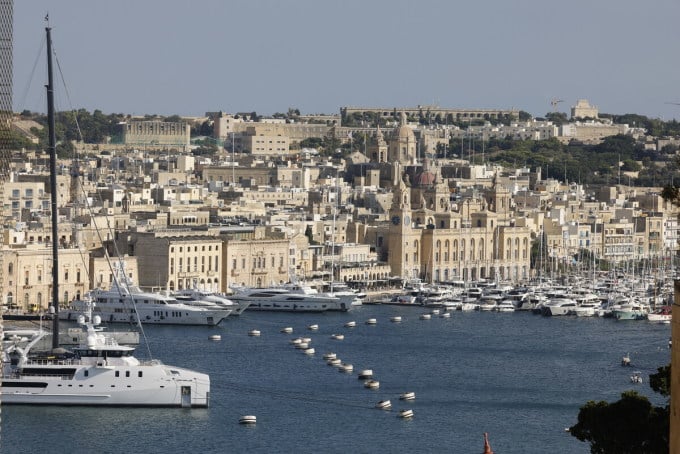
(127, 303)
(288, 298)
(97, 372)
(192, 296)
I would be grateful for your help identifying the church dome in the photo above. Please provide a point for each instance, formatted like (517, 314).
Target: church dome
(404, 133)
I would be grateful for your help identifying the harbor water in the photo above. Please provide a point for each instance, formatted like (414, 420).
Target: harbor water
(520, 377)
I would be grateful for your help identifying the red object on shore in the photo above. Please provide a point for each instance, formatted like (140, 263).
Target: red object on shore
(487, 447)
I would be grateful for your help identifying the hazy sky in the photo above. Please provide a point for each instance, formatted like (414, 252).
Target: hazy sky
(188, 57)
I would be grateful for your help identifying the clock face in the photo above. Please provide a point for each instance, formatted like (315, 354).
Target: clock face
(407, 220)
(395, 220)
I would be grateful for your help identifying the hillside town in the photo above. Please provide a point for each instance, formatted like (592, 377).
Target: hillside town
(264, 210)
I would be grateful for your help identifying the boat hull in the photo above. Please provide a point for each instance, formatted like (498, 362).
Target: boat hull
(157, 386)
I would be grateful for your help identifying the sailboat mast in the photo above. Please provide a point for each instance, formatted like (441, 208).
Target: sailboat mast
(52, 138)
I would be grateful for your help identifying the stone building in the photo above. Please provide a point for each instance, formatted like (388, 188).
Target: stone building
(157, 134)
(176, 260)
(431, 239)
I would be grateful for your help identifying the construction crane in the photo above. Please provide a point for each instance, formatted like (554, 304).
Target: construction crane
(554, 102)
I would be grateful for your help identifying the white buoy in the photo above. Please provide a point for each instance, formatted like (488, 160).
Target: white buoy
(254, 332)
(395, 319)
(215, 337)
(346, 368)
(351, 324)
(308, 351)
(329, 355)
(425, 316)
(306, 339)
(334, 362)
(446, 315)
(407, 396)
(247, 419)
(383, 405)
(366, 373)
(287, 330)
(296, 341)
(372, 384)
(371, 321)
(435, 311)
(313, 327)
(406, 413)
(302, 345)
(338, 336)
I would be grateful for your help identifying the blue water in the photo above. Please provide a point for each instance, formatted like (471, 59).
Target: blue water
(518, 376)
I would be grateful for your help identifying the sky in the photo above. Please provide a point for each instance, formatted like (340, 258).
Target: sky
(189, 57)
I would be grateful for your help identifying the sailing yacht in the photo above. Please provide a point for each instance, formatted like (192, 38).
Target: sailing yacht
(98, 372)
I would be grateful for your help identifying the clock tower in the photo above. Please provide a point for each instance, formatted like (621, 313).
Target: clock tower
(402, 237)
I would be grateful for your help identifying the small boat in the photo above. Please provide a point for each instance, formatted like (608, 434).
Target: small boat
(329, 355)
(366, 373)
(351, 324)
(296, 341)
(337, 336)
(287, 330)
(636, 377)
(336, 362)
(254, 332)
(302, 345)
(396, 319)
(406, 413)
(313, 327)
(435, 312)
(371, 321)
(407, 396)
(383, 405)
(346, 368)
(446, 315)
(372, 384)
(625, 361)
(215, 337)
(306, 339)
(247, 419)
(308, 351)
(425, 316)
